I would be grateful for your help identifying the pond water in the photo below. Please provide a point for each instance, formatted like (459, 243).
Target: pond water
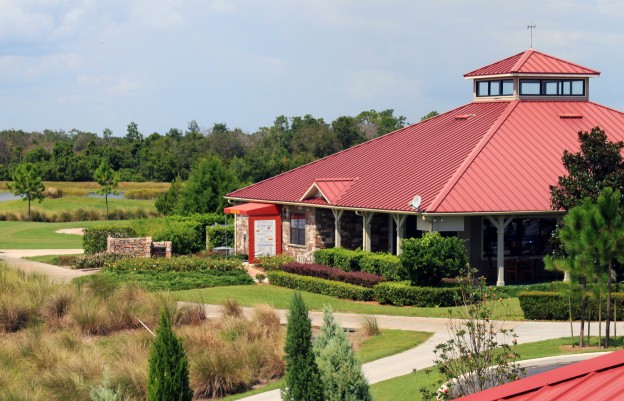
(6, 196)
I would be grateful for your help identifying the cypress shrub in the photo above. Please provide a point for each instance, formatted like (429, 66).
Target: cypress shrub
(302, 379)
(341, 372)
(94, 238)
(168, 366)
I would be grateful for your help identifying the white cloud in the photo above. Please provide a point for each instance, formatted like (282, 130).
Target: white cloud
(371, 84)
(222, 6)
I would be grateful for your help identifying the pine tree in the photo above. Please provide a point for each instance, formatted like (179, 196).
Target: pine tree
(27, 183)
(169, 373)
(302, 381)
(341, 372)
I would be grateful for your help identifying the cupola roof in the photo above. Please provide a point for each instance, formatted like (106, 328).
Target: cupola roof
(532, 62)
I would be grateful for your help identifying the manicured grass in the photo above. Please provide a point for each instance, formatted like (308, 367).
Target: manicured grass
(406, 388)
(390, 342)
(25, 235)
(49, 259)
(279, 298)
(172, 280)
(70, 203)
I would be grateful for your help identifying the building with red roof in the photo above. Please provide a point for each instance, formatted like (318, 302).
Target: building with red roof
(594, 379)
(481, 171)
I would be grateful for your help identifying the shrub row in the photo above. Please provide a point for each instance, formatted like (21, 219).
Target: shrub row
(79, 214)
(178, 264)
(94, 260)
(402, 294)
(94, 238)
(363, 279)
(320, 286)
(177, 281)
(382, 264)
(219, 235)
(545, 305)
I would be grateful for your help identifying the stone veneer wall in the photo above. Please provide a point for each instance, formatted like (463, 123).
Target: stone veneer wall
(141, 247)
(241, 228)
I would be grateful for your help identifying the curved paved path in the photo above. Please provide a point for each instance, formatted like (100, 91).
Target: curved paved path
(56, 273)
(382, 369)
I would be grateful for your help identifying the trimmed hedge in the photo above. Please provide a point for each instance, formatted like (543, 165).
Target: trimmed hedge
(546, 305)
(179, 264)
(383, 264)
(331, 273)
(219, 236)
(94, 238)
(320, 286)
(401, 294)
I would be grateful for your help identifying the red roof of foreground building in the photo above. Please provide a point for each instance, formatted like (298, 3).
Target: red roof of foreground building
(531, 62)
(591, 380)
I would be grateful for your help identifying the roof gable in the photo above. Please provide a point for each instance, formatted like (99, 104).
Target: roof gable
(330, 189)
(531, 62)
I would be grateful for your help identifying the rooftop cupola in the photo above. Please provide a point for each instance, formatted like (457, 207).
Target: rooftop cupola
(531, 75)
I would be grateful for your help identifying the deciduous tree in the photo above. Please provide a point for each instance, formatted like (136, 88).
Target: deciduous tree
(27, 183)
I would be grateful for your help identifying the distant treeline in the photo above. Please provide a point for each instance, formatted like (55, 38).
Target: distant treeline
(288, 143)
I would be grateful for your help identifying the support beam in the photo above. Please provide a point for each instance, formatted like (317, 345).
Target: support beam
(337, 217)
(500, 223)
(367, 218)
(399, 220)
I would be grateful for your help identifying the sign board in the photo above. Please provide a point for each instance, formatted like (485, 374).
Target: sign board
(265, 238)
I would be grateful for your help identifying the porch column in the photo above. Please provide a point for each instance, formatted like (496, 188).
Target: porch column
(390, 239)
(500, 223)
(337, 217)
(399, 219)
(367, 217)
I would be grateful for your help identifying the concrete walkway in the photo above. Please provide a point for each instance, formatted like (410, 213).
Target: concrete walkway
(56, 273)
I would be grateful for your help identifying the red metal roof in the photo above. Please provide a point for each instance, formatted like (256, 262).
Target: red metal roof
(532, 62)
(500, 159)
(511, 169)
(594, 379)
(331, 189)
(391, 169)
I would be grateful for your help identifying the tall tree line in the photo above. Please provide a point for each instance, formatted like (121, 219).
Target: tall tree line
(136, 156)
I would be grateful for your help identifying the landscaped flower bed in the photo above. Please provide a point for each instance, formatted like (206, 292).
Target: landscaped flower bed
(331, 273)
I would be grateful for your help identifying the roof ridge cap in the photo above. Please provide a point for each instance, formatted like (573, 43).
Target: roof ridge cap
(461, 170)
(526, 55)
(491, 64)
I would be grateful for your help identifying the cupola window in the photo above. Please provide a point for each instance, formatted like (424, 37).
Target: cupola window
(502, 87)
(552, 87)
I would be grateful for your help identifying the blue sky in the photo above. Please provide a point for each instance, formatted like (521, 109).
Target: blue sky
(93, 64)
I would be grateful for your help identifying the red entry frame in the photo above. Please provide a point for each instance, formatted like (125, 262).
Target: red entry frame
(256, 212)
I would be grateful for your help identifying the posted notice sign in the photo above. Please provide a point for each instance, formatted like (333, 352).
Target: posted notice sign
(265, 238)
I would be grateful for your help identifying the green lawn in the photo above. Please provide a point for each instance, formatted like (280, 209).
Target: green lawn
(33, 235)
(69, 203)
(405, 388)
(49, 259)
(389, 342)
(280, 298)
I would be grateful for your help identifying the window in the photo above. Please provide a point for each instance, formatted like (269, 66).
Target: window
(523, 237)
(552, 87)
(297, 228)
(495, 88)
